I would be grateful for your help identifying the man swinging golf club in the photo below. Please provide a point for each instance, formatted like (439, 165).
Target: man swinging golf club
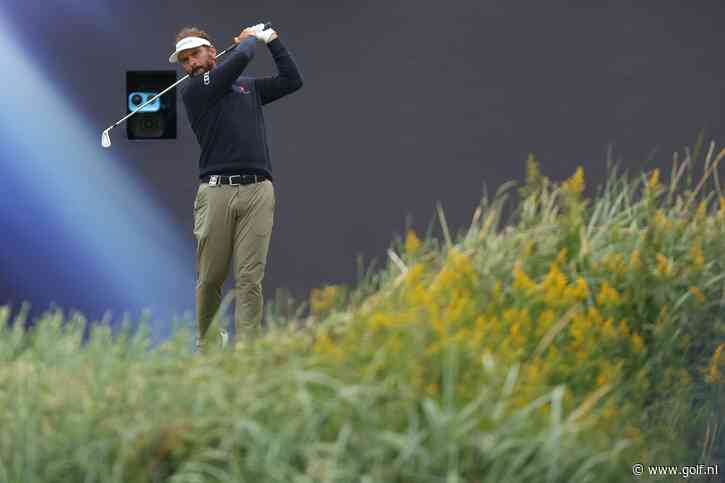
(235, 201)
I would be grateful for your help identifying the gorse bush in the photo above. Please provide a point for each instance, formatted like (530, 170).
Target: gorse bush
(565, 341)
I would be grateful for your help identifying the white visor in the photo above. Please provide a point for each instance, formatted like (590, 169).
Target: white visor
(185, 44)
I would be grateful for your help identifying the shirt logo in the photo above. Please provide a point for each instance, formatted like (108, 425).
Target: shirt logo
(243, 90)
(206, 78)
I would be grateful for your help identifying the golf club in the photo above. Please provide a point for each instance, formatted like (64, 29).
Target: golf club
(106, 137)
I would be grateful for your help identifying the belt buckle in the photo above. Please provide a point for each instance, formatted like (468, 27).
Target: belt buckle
(213, 180)
(231, 183)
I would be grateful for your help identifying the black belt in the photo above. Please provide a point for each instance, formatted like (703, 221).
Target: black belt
(233, 180)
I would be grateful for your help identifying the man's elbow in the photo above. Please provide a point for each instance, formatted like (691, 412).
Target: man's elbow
(246, 52)
(248, 55)
(296, 84)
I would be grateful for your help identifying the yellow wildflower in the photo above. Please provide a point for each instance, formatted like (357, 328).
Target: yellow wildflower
(594, 315)
(461, 262)
(519, 321)
(479, 332)
(415, 274)
(634, 261)
(533, 373)
(581, 357)
(480, 324)
(637, 343)
(608, 329)
(696, 255)
(713, 372)
(458, 268)
(609, 412)
(608, 372)
(576, 182)
(601, 379)
(697, 294)
(325, 345)
(462, 336)
(663, 316)
(440, 327)
(664, 265)
(323, 300)
(623, 329)
(632, 432)
(685, 379)
(608, 295)
(578, 329)
(554, 286)
(412, 243)
(445, 278)
(546, 318)
(614, 262)
(458, 305)
(701, 210)
(561, 257)
(654, 179)
(522, 280)
(663, 221)
(382, 321)
(432, 389)
(433, 348)
(394, 344)
(421, 296)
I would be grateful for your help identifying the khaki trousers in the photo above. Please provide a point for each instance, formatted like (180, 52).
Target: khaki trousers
(232, 222)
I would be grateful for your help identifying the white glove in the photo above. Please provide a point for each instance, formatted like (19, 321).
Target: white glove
(257, 28)
(265, 35)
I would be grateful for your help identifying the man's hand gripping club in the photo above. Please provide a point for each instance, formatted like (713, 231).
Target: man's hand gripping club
(258, 32)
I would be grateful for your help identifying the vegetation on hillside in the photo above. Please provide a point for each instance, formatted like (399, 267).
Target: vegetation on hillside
(565, 342)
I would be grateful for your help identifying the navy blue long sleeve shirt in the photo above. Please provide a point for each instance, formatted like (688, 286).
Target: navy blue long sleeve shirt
(225, 110)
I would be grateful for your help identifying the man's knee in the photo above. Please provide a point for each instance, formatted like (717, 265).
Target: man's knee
(250, 279)
(209, 284)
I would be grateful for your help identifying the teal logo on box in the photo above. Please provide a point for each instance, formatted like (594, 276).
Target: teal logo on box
(136, 99)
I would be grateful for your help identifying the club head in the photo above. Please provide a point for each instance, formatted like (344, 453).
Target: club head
(106, 139)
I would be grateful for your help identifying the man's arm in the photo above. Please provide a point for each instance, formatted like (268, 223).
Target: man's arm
(288, 78)
(224, 75)
(218, 80)
(204, 90)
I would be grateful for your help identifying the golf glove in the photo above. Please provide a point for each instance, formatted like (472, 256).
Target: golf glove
(260, 33)
(264, 35)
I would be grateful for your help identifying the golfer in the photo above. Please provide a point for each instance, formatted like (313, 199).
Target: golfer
(235, 200)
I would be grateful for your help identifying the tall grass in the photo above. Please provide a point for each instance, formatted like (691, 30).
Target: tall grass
(563, 342)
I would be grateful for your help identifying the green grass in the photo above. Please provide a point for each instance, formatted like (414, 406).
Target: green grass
(563, 342)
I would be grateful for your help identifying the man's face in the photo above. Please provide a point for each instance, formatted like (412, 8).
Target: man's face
(198, 60)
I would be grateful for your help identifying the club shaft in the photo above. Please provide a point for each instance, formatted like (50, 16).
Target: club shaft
(151, 100)
(231, 47)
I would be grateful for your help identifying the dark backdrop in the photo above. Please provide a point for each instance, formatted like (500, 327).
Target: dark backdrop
(405, 103)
